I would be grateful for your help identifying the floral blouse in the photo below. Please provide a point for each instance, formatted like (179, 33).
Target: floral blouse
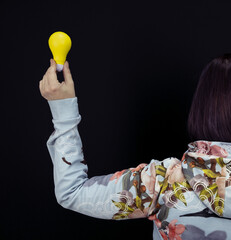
(188, 198)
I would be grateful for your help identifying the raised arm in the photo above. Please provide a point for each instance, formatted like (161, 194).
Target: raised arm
(122, 195)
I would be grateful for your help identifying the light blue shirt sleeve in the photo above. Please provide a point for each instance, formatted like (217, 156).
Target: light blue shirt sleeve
(113, 196)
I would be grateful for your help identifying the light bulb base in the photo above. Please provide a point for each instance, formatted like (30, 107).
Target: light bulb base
(59, 67)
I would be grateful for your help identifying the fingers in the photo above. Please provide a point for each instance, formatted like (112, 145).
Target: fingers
(52, 65)
(41, 86)
(50, 79)
(49, 83)
(67, 73)
(52, 68)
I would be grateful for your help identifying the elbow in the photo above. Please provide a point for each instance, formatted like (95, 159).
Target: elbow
(63, 200)
(67, 195)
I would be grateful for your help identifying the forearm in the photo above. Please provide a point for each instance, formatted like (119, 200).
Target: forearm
(65, 148)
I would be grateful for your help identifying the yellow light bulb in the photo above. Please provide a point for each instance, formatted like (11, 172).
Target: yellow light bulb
(59, 44)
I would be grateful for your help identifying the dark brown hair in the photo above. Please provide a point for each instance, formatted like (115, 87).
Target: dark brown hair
(210, 114)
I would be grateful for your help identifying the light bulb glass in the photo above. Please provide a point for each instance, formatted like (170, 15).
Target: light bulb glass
(59, 44)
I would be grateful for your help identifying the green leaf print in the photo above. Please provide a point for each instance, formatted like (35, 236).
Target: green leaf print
(160, 170)
(118, 216)
(208, 192)
(219, 205)
(210, 173)
(186, 184)
(178, 193)
(122, 206)
(220, 161)
(138, 202)
(164, 186)
(150, 203)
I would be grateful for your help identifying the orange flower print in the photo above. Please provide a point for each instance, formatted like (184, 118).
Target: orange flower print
(174, 231)
(218, 151)
(135, 183)
(205, 148)
(157, 221)
(192, 164)
(183, 157)
(142, 189)
(163, 235)
(140, 166)
(117, 175)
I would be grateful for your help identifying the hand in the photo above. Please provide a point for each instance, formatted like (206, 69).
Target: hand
(51, 88)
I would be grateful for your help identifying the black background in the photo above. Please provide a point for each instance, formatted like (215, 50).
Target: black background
(135, 67)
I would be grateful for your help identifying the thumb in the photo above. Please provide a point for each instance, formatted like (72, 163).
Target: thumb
(67, 73)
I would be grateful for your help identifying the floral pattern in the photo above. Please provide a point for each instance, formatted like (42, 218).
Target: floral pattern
(164, 186)
(211, 182)
(133, 206)
(206, 148)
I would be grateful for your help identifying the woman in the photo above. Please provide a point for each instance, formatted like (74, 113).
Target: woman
(186, 199)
